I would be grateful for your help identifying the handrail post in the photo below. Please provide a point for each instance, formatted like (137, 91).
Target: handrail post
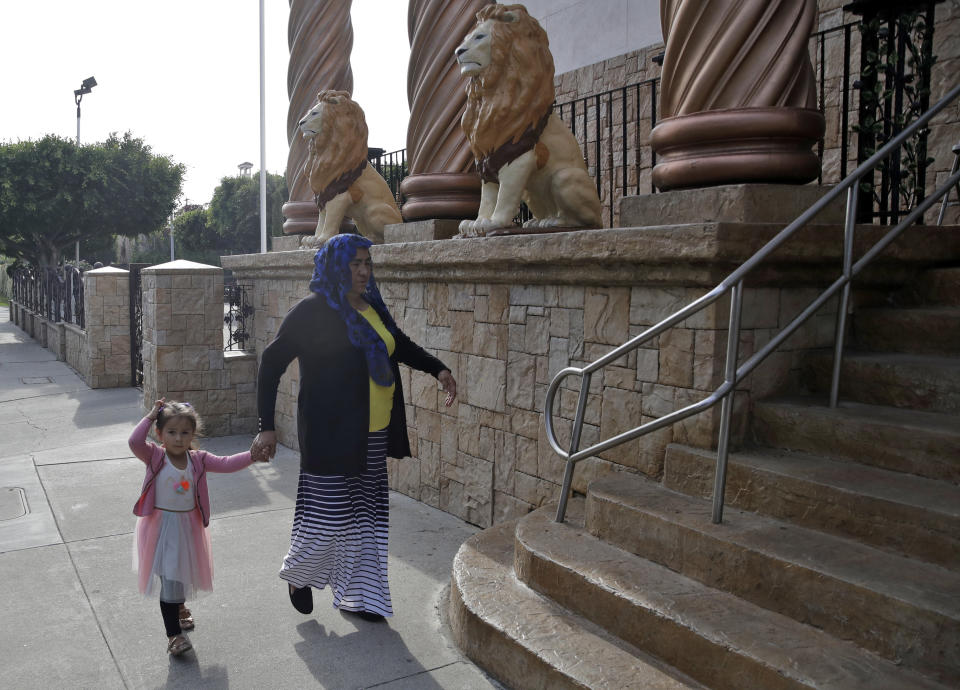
(726, 407)
(844, 304)
(574, 446)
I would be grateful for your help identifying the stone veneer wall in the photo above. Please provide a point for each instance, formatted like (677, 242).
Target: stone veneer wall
(637, 66)
(505, 314)
(74, 345)
(487, 458)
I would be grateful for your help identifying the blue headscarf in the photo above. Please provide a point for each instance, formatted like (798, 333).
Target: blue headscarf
(331, 278)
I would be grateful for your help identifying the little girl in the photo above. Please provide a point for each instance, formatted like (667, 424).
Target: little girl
(171, 539)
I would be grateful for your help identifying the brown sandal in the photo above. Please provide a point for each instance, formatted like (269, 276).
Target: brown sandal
(178, 645)
(186, 618)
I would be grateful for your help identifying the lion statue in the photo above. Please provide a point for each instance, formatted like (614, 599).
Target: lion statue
(523, 151)
(343, 182)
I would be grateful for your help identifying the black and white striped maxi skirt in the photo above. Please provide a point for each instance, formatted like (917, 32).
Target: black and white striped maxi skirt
(339, 534)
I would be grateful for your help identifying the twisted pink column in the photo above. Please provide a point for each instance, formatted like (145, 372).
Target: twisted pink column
(737, 93)
(442, 182)
(320, 38)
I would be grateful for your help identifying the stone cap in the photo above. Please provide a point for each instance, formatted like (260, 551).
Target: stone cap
(181, 265)
(695, 255)
(106, 270)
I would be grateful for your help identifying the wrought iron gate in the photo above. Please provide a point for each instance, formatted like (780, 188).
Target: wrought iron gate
(136, 325)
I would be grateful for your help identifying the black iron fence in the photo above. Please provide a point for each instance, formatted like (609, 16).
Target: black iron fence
(238, 316)
(73, 300)
(135, 303)
(54, 293)
(613, 130)
(392, 167)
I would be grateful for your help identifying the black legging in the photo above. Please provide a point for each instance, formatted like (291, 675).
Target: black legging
(171, 617)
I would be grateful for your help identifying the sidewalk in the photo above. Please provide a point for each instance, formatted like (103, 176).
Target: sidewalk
(72, 616)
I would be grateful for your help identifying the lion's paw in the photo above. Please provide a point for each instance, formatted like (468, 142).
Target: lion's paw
(474, 228)
(311, 242)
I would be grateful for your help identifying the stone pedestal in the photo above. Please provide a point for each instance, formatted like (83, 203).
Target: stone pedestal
(743, 203)
(183, 341)
(420, 231)
(106, 305)
(285, 244)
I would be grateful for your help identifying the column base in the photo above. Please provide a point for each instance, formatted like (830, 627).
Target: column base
(441, 195)
(736, 146)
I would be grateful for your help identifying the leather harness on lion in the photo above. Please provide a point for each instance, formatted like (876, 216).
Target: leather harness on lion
(523, 151)
(343, 182)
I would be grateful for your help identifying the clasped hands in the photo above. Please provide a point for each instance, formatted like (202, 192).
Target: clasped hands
(264, 446)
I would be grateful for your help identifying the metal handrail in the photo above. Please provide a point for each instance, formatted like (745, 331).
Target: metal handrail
(734, 285)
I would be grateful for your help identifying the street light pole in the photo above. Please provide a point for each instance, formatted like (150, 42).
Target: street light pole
(263, 144)
(85, 87)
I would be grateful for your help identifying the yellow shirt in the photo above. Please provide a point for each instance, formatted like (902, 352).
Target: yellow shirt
(381, 397)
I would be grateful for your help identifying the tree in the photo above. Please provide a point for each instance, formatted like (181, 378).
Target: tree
(196, 238)
(234, 211)
(54, 193)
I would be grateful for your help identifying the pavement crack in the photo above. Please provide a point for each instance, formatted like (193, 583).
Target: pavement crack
(412, 675)
(35, 425)
(42, 395)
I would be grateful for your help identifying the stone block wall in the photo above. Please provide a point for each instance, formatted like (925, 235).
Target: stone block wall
(56, 339)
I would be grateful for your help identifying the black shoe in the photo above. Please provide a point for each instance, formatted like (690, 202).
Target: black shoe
(302, 598)
(365, 615)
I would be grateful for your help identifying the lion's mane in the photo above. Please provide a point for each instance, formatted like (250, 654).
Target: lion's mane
(341, 144)
(516, 90)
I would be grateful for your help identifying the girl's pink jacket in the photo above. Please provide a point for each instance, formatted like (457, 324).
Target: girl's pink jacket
(152, 456)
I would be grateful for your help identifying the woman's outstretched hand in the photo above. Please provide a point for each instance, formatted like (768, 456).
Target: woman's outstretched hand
(449, 384)
(264, 446)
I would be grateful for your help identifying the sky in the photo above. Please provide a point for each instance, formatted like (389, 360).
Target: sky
(183, 75)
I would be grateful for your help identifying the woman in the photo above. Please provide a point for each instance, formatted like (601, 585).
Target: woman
(350, 415)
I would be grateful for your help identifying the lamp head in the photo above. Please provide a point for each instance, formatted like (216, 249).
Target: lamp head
(86, 86)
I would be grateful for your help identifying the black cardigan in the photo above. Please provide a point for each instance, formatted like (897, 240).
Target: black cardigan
(333, 408)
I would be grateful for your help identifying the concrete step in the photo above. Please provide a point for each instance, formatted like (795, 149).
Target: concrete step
(527, 641)
(899, 608)
(904, 514)
(940, 286)
(922, 443)
(919, 330)
(916, 382)
(721, 640)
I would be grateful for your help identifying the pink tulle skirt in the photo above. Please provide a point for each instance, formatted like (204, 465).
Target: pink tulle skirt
(174, 546)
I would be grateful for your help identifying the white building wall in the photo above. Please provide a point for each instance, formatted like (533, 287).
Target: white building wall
(583, 32)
